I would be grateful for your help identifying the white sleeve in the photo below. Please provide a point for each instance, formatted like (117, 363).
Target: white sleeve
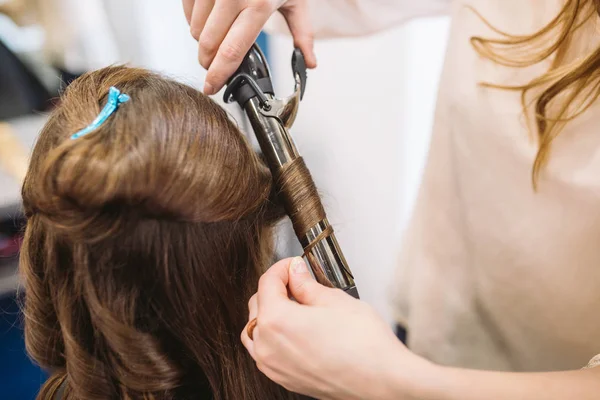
(342, 18)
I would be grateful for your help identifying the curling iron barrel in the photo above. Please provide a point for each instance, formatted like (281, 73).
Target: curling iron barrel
(251, 87)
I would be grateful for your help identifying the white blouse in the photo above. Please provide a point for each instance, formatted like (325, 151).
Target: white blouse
(493, 274)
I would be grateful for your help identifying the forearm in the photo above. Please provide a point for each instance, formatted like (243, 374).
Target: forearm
(442, 383)
(339, 18)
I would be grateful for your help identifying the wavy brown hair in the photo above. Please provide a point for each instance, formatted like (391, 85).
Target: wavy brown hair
(568, 88)
(144, 241)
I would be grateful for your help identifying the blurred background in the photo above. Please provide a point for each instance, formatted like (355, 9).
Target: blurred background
(363, 126)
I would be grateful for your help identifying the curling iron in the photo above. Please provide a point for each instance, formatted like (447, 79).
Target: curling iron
(271, 118)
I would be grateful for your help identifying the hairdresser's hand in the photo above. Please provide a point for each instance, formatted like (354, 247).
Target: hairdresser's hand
(327, 345)
(226, 29)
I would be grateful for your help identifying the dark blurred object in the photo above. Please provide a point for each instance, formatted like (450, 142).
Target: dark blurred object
(9, 246)
(402, 334)
(21, 92)
(67, 77)
(20, 378)
(11, 234)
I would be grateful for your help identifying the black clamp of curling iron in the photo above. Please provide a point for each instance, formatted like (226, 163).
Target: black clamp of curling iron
(271, 117)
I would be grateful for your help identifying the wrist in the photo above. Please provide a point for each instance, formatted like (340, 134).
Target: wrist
(412, 378)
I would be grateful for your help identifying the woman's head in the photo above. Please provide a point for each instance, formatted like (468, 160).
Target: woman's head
(144, 241)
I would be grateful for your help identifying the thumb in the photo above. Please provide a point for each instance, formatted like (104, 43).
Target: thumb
(302, 286)
(297, 16)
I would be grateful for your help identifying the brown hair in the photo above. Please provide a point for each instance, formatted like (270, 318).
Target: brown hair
(144, 241)
(568, 88)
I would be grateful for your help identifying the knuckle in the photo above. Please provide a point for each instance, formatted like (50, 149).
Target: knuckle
(262, 367)
(264, 355)
(232, 53)
(207, 45)
(309, 38)
(306, 36)
(204, 61)
(261, 352)
(306, 291)
(301, 289)
(195, 32)
(262, 282)
(271, 322)
(245, 339)
(261, 6)
(251, 302)
(268, 323)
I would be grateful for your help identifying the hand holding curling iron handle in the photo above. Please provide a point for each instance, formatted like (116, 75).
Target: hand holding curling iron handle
(271, 117)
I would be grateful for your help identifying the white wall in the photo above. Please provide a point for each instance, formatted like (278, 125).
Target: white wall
(424, 57)
(155, 34)
(363, 129)
(148, 33)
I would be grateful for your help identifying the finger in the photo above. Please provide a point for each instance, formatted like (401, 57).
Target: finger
(303, 287)
(252, 307)
(200, 14)
(272, 287)
(247, 342)
(238, 41)
(215, 30)
(298, 20)
(188, 6)
(269, 373)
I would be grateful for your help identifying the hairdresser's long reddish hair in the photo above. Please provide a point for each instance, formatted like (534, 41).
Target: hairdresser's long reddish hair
(144, 241)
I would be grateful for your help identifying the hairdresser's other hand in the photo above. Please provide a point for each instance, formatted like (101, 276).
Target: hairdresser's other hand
(226, 29)
(328, 345)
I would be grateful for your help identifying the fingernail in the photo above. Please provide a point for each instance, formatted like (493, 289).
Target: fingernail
(297, 266)
(208, 89)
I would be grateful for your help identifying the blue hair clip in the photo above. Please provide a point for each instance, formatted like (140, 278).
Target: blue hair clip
(115, 98)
